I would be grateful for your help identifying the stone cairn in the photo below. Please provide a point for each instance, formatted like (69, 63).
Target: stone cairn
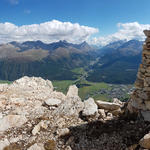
(140, 99)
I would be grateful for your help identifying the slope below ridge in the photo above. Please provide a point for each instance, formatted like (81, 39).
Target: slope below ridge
(55, 62)
(10, 52)
(41, 50)
(131, 48)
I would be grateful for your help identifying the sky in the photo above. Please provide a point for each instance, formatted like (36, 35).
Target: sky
(98, 22)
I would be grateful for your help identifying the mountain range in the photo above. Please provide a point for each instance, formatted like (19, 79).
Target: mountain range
(34, 58)
(116, 62)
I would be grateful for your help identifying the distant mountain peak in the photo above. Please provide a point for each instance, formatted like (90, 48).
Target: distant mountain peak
(27, 45)
(84, 42)
(84, 45)
(32, 42)
(62, 41)
(115, 44)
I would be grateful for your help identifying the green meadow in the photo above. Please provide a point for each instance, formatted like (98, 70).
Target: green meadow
(86, 89)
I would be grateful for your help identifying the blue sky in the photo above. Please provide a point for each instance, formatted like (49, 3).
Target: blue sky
(103, 15)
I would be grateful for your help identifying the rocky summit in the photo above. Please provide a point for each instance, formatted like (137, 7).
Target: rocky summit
(33, 116)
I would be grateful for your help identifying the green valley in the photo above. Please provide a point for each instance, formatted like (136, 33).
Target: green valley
(97, 90)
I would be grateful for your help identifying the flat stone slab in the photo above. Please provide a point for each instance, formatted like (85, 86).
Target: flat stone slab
(107, 105)
(52, 102)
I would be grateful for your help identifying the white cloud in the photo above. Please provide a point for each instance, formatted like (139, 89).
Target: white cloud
(14, 2)
(126, 31)
(47, 32)
(55, 30)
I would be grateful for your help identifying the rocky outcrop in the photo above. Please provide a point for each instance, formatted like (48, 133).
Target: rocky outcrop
(31, 88)
(33, 116)
(90, 108)
(73, 91)
(140, 99)
(72, 105)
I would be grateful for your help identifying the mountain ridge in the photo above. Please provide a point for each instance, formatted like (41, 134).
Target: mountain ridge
(55, 61)
(113, 63)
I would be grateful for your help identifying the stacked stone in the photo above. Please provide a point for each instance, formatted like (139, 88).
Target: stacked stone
(141, 96)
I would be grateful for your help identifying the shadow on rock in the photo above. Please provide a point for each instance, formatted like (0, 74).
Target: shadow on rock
(116, 134)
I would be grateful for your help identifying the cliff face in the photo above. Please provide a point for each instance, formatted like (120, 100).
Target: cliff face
(141, 96)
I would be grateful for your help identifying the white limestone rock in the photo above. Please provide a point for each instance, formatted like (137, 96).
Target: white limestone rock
(58, 95)
(32, 88)
(71, 106)
(107, 105)
(63, 132)
(3, 87)
(37, 128)
(32, 83)
(18, 101)
(12, 121)
(73, 91)
(1, 115)
(53, 102)
(90, 107)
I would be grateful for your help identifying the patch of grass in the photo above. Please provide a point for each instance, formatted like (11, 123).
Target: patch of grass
(87, 89)
(78, 70)
(5, 81)
(102, 97)
(63, 85)
(92, 90)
